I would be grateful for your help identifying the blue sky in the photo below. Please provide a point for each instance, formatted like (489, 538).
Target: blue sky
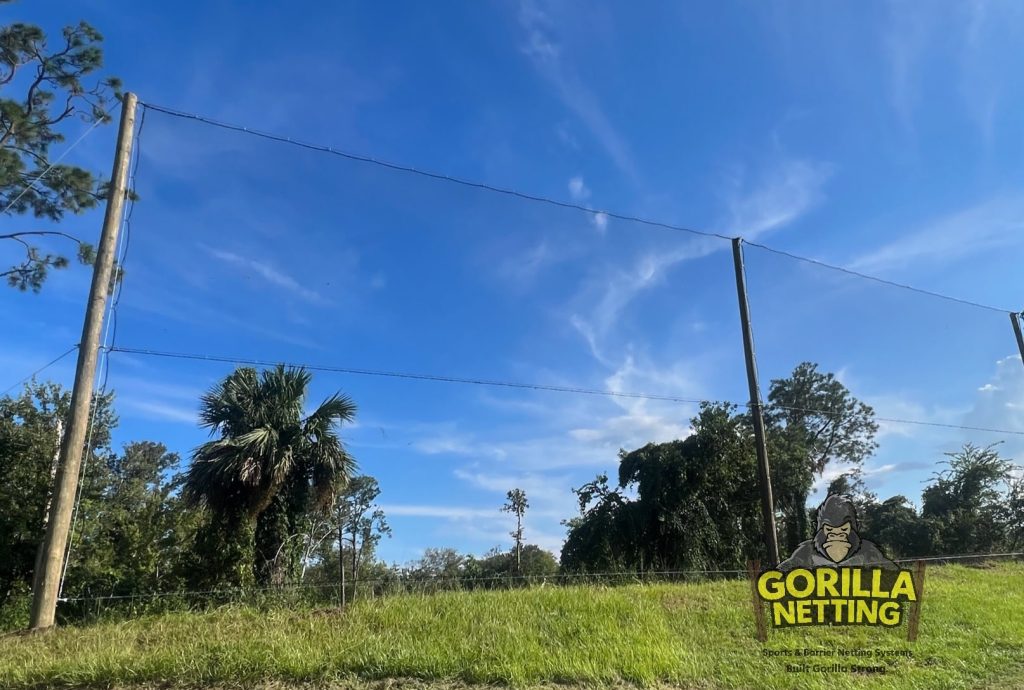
(885, 138)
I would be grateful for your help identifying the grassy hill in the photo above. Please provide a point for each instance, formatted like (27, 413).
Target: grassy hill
(682, 635)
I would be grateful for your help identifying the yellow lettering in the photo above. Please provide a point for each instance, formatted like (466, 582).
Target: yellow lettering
(876, 585)
(782, 610)
(867, 612)
(889, 613)
(808, 585)
(904, 586)
(803, 611)
(858, 591)
(770, 585)
(827, 578)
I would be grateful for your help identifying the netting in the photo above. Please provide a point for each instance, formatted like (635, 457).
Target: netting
(494, 340)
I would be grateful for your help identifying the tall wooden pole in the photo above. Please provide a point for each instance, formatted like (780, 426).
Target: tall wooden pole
(46, 585)
(763, 473)
(1015, 320)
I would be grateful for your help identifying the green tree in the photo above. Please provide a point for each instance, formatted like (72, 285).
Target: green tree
(360, 524)
(895, 525)
(492, 570)
(52, 86)
(438, 564)
(29, 442)
(966, 504)
(128, 525)
(517, 504)
(812, 422)
(598, 539)
(269, 463)
(696, 506)
(1014, 514)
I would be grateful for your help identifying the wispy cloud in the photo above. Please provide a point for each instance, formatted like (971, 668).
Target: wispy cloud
(904, 40)
(172, 304)
(547, 56)
(487, 525)
(445, 512)
(786, 191)
(543, 490)
(991, 225)
(578, 189)
(160, 411)
(267, 272)
(980, 37)
(456, 444)
(151, 398)
(523, 268)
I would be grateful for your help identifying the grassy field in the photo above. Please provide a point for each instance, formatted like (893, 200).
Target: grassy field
(679, 635)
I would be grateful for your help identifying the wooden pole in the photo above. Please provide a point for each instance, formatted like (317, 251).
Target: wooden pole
(763, 472)
(753, 571)
(49, 497)
(46, 583)
(1015, 320)
(915, 613)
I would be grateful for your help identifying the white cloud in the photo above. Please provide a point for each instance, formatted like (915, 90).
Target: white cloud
(600, 221)
(443, 512)
(161, 411)
(578, 190)
(151, 398)
(1000, 405)
(975, 38)
(991, 225)
(523, 268)
(150, 300)
(547, 57)
(456, 444)
(788, 190)
(905, 39)
(267, 272)
(488, 525)
(543, 490)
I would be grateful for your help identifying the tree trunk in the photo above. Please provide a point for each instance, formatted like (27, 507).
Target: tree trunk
(341, 558)
(271, 563)
(355, 567)
(519, 543)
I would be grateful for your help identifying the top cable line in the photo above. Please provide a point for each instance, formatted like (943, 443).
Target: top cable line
(426, 173)
(876, 279)
(545, 200)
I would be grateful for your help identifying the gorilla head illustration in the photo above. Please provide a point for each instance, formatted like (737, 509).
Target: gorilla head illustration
(837, 536)
(837, 542)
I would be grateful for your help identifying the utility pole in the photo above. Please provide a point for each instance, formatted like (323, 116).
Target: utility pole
(49, 498)
(1015, 320)
(763, 473)
(46, 583)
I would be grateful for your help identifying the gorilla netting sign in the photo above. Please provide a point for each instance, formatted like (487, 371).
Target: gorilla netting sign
(836, 578)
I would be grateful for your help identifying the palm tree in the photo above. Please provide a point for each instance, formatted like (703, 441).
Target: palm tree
(269, 462)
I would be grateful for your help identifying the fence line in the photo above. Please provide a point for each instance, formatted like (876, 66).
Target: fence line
(404, 579)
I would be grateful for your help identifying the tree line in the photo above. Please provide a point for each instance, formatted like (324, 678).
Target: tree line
(692, 504)
(274, 499)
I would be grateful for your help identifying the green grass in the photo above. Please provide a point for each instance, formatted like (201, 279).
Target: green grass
(683, 635)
